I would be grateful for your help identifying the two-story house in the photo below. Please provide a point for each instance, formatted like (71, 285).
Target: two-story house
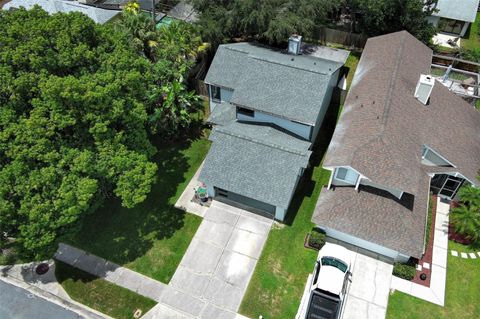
(267, 107)
(401, 135)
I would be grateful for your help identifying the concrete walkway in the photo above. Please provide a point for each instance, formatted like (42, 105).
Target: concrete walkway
(215, 271)
(185, 202)
(436, 292)
(111, 272)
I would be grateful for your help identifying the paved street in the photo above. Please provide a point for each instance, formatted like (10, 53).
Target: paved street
(215, 271)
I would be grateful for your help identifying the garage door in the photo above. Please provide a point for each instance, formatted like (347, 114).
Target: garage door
(244, 202)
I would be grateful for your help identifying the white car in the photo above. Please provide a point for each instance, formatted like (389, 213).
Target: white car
(329, 282)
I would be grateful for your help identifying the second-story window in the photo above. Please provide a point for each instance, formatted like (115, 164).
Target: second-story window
(245, 112)
(216, 93)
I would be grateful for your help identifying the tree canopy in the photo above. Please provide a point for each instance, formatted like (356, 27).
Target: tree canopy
(271, 20)
(275, 20)
(73, 123)
(381, 16)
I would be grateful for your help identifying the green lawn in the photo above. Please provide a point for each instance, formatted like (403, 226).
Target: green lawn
(152, 237)
(472, 38)
(351, 64)
(462, 293)
(99, 294)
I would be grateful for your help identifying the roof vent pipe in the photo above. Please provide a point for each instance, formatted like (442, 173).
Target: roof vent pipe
(424, 88)
(294, 44)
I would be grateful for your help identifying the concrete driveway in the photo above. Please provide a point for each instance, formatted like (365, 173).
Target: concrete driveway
(367, 297)
(215, 271)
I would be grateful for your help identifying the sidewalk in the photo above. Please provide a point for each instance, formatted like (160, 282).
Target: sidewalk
(111, 272)
(436, 292)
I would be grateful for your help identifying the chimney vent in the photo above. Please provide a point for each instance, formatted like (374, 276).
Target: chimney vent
(294, 44)
(424, 88)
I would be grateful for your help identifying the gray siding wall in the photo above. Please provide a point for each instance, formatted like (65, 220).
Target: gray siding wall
(225, 94)
(294, 127)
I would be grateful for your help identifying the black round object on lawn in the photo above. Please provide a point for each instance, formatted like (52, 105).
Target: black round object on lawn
(42, 269)
(423, 276)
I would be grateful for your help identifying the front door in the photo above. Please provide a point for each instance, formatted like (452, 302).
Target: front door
(450, 187)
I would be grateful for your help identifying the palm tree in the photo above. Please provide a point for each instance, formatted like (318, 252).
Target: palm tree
(466, 217)
(142, 31)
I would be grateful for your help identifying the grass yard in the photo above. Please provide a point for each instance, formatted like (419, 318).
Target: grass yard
(351, 64)
(99, 294)
(152, 237)
(462, 293)
(472, 38)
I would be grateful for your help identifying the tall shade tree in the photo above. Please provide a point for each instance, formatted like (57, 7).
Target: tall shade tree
(270, 20)
(382, 16)
(73, 120)
(466, 217)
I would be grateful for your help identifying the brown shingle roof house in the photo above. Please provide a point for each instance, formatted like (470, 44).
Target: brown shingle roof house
(401, 134)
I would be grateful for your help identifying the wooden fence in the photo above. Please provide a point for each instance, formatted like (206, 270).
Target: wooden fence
(355, 40)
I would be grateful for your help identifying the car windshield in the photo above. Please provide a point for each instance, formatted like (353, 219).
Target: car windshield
(329, 261)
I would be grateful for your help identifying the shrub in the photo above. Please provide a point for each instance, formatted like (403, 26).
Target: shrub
(405, 270)
(316, 238)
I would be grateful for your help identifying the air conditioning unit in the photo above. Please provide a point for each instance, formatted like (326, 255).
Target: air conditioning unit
(424, 88)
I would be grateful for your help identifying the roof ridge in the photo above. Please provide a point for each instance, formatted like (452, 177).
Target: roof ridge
(257, 141)
(256, 57)
(393, 80)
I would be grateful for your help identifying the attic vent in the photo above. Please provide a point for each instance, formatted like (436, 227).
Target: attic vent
(294, 44)
(424, 88)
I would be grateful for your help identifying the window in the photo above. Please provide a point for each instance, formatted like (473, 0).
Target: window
(329, 261)
(246, 112)
(450, 26)
(216, 93)
(346, 175)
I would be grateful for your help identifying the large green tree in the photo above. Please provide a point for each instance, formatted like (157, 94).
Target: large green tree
(73, 118)
(275, 20)
(270, 20)
(385, 16)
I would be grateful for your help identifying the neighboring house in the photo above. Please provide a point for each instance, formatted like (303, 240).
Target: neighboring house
(400, 136)
(267, 107)
(98, 15)
(454, 16)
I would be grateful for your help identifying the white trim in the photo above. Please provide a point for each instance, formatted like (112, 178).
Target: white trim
(438, 154)
(330, 179)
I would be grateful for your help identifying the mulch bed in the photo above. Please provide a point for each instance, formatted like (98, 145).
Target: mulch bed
(427, 257)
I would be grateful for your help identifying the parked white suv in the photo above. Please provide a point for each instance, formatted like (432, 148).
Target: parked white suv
(328, 284)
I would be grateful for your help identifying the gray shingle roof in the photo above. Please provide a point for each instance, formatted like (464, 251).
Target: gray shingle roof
(289, 86)
(222, 114)
(53, 6)
(383, 126)
(381, 132)
(255, 161)
(464, 10)
(377, 216)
